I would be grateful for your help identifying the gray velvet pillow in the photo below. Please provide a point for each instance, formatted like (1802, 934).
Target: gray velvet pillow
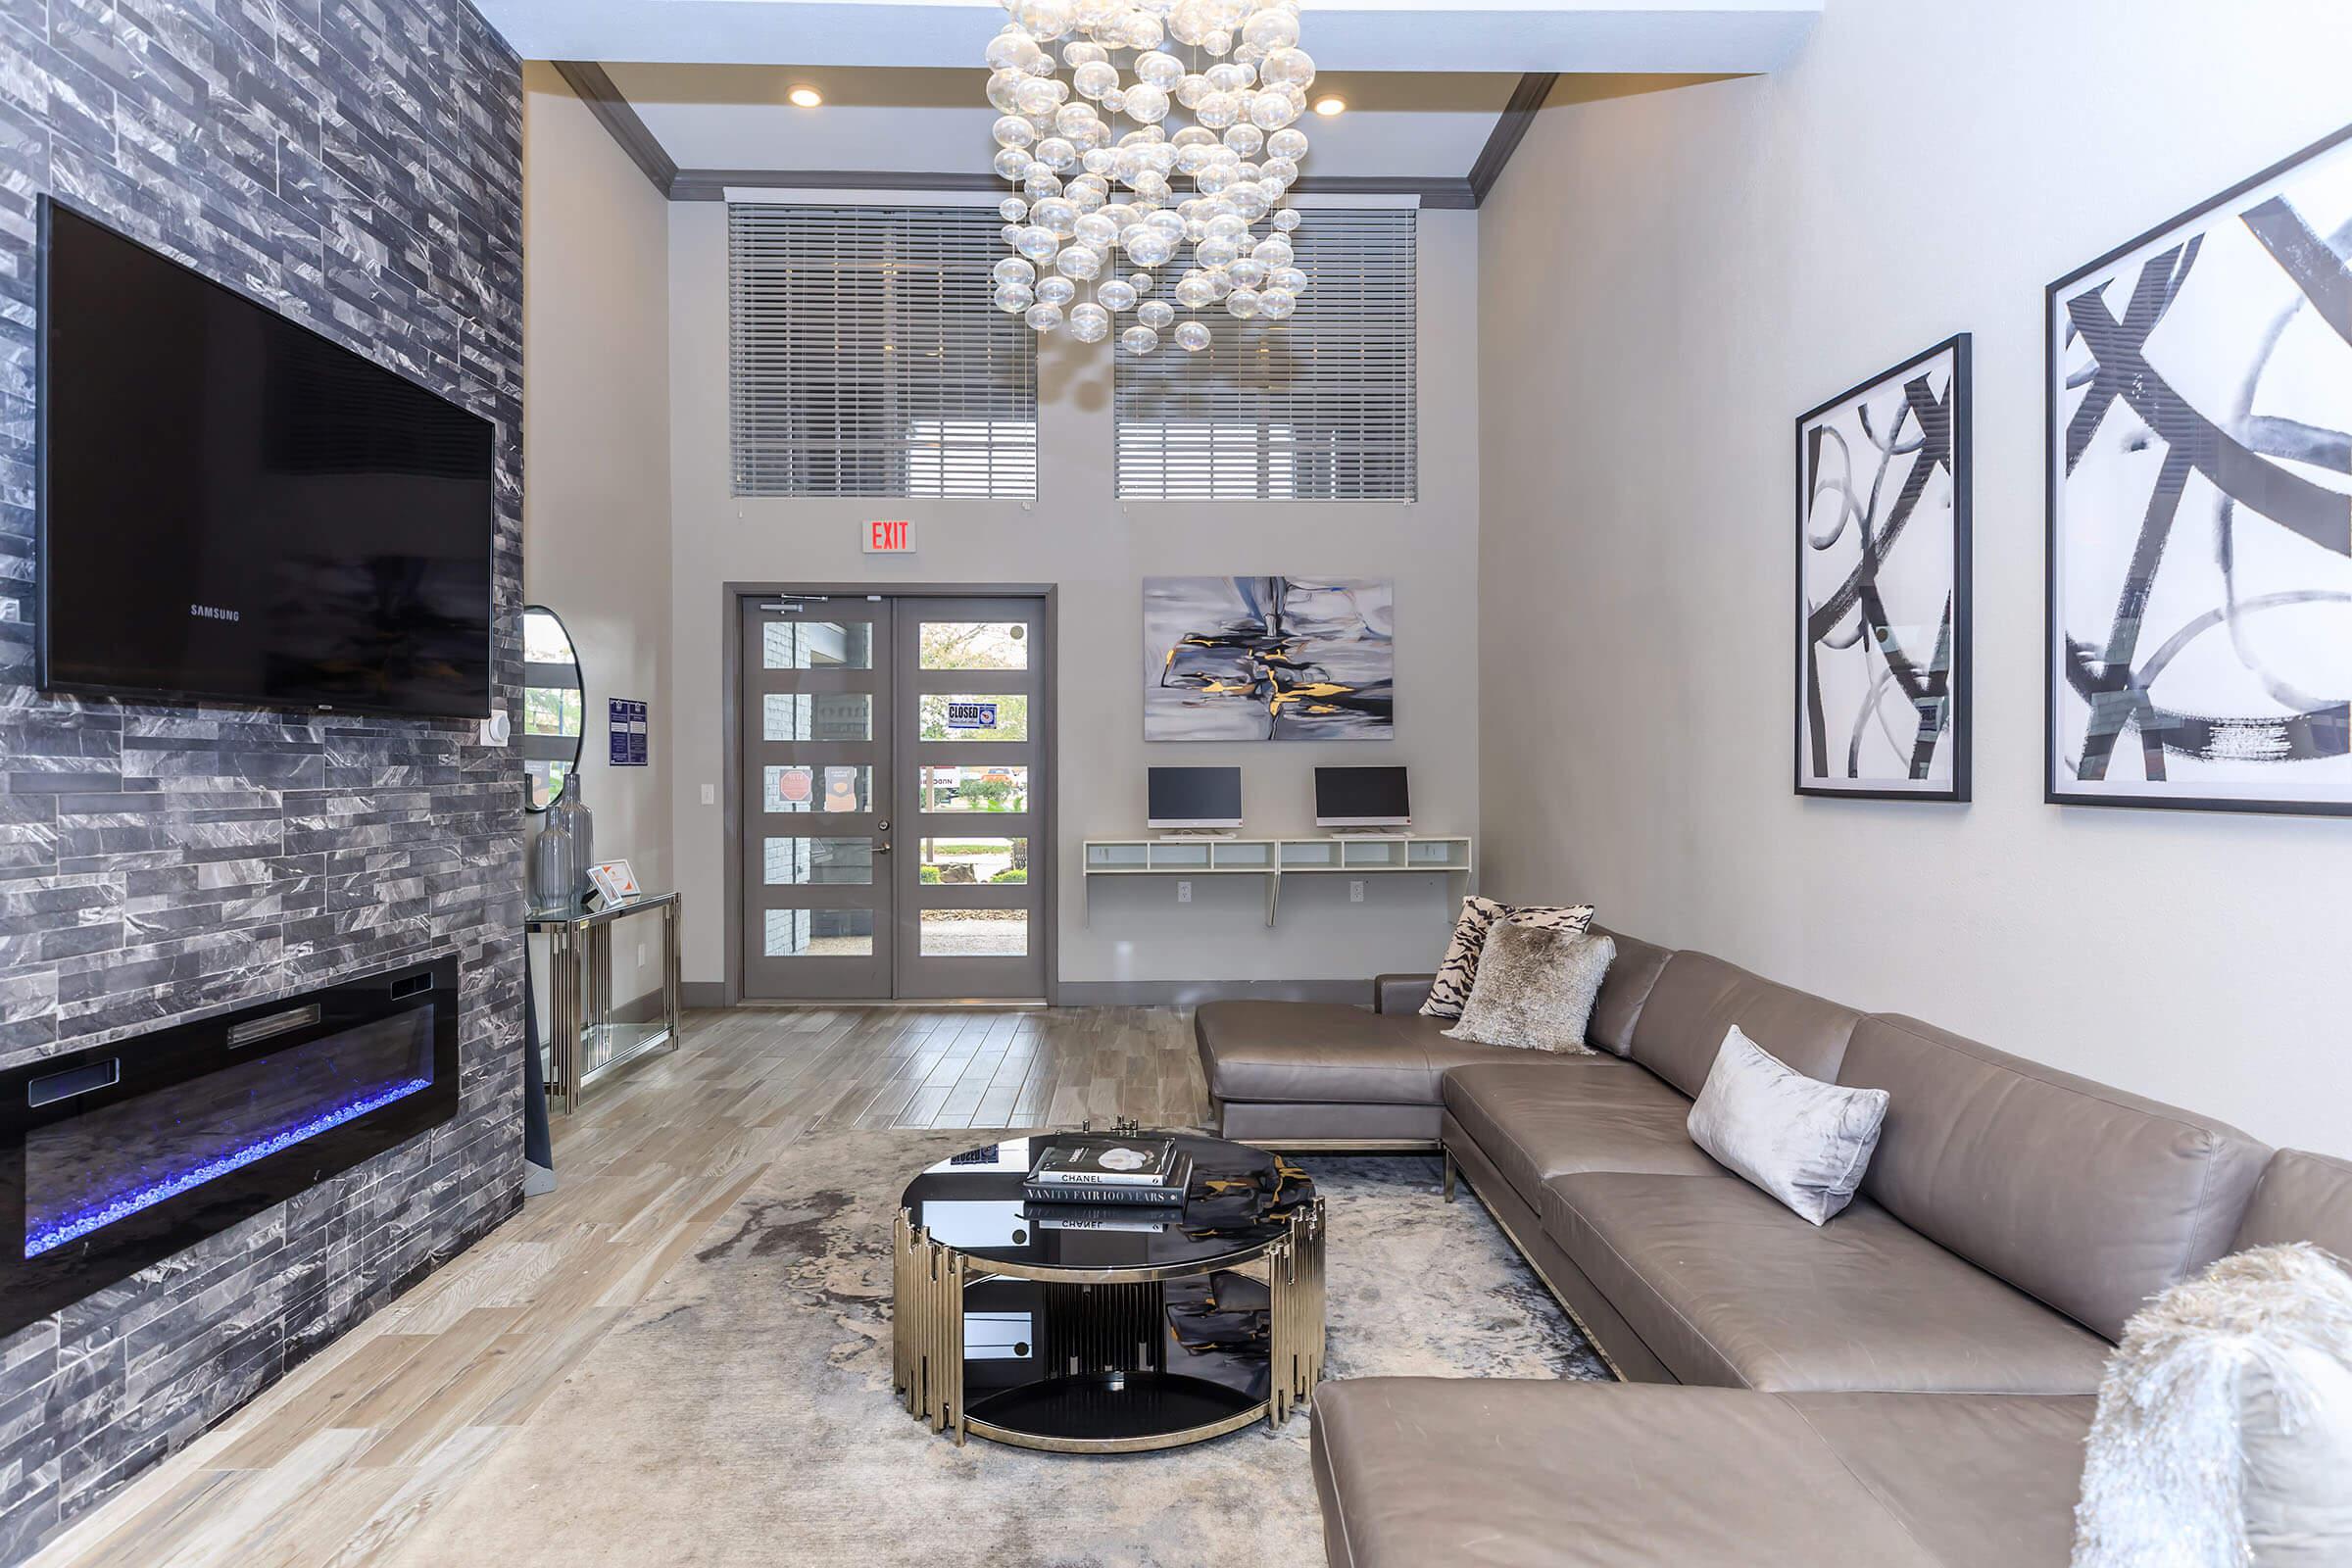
(1804, 1142)
(1534, 989)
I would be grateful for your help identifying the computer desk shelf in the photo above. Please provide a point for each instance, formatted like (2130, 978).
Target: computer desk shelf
(1272, 859)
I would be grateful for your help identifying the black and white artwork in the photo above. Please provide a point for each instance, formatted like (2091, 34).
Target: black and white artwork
(1881, 583)
(2200, 505)
(1269, 658)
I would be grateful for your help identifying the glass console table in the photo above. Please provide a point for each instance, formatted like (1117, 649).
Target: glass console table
(586, 1042)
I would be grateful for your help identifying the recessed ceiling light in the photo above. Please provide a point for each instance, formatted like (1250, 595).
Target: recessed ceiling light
(1328, 107)
(804, 97)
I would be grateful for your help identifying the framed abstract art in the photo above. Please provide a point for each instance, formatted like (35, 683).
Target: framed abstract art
(1269, 658)
(1882, 584)
(2198, 642)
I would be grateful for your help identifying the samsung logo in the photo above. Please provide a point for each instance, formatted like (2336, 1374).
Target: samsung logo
(211, 612)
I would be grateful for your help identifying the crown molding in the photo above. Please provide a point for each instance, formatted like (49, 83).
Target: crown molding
(611, 111)
(1518, 117)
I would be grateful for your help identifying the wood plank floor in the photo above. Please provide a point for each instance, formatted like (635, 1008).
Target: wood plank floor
(334, 1466)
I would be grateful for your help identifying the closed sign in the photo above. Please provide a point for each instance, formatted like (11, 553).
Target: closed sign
(971, 715)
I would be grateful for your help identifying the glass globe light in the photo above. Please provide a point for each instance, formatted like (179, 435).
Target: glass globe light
(1040, 95)
(1089, 323)
(1216, 41)
(1215, 253)
(1155, 314)
(1072, 117)
(1057, 290)
(1014, 130)
(1158, 69)
(1102, 161)
(1043, 317)
(1227, 227)
(1010, 234)
(1115, 102)
(1158, 156)
(1151, 247)
(1193, 136)
(1116, 295)
(1250, 200)
(1012, 209)
(1143, 31)
(1243, 303)
(1080, 51)
(1287, 143)
(1270, 30)
(1271, 111)
(1101, 233)
(1247, 273)
(1081, 261)
(1038, 244)
(1055, 216)
(1246, 139)
(1217, 110)
(1213, 178)
(1040, 183)
(1142, 283)
(1219, 281)
(1151, 184)
(1003, 89)
(1012, 161)
(1087, 194)
(1139, 340)
(1289, 279)
(1276, 305)
(1287, 220)
(1281, 173)
(1273, 250)
(1192, 292)
(1045, 18)
(1146, 103)
(1012, 50)
(1015, 270)
(1223, 76)
(1014, 297)
(1191, 90)
(1288, 68)
(1056, 153)
(1192, 337)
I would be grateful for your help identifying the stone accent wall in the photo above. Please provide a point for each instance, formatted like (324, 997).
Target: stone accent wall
(356, 164)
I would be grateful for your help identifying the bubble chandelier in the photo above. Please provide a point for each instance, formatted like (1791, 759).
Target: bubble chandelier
(1140, 153)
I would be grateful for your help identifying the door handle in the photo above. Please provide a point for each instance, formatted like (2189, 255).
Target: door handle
(882, 848)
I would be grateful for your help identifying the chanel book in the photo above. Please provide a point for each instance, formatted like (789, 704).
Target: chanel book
(1087, 1159)
(1165, 1189)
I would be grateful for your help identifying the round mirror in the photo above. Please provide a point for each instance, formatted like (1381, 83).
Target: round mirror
(554, 709)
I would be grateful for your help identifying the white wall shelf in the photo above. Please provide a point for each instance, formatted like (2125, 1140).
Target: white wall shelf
(1345, 855)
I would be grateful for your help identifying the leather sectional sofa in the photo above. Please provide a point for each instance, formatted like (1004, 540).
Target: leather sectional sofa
(1910, 1384)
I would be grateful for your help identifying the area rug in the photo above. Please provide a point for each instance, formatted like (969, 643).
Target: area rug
(742, 1413)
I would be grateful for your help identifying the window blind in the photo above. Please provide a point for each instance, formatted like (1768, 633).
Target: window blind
(1316, 407)
(867, 357)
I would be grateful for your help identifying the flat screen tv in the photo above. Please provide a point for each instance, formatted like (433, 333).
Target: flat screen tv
(1362, 797)
(233, 507)
(1193, 797)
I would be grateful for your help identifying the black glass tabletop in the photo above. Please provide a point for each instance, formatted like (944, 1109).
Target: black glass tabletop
(1236, 1202)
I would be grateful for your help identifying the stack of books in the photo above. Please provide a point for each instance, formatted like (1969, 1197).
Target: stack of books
(1093, 1168)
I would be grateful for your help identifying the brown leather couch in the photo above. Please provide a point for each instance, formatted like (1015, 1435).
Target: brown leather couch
(1934, 1347)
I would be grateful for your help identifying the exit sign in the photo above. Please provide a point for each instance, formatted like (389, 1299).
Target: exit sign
(893, 538)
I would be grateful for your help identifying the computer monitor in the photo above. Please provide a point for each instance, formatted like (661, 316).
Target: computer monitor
(1194, 797)
(1362, 797)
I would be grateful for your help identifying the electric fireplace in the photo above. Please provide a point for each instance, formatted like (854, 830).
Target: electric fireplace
(116, 1155)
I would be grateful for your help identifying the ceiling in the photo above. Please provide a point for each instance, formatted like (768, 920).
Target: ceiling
(1399, 126)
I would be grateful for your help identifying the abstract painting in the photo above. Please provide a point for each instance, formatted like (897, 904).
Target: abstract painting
(1882, 584)
(2200, 638)
(1269, 658)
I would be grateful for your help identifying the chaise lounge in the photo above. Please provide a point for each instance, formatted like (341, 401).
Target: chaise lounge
(1911, 1383)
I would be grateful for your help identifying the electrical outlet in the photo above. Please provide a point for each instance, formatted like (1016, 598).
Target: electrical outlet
(641, 952)
(1183, 892)
(1355, 890)
(710, 795)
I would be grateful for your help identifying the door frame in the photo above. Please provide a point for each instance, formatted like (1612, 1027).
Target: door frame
(732, 804)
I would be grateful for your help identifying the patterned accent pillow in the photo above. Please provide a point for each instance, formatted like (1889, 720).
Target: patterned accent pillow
(1459, 971)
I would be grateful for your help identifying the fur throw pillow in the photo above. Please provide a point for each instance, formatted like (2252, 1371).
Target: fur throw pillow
(1459, 971)
(2223, 1438)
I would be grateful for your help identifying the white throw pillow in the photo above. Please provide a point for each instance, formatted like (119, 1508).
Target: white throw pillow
(1804, 1142)
(2224, 1437)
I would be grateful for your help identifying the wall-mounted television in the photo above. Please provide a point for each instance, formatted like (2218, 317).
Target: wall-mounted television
(1362, 797)
(234, 507)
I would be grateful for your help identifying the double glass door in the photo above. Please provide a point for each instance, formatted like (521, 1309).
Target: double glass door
(894, 756)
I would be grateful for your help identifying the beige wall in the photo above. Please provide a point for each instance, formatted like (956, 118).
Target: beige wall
(1668, 280)
(596, 443)
(1078, 535)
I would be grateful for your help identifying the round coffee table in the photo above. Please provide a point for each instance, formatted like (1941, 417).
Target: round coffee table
(1108, 1328)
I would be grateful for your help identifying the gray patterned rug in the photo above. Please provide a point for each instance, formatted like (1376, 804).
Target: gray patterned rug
(742, 1414)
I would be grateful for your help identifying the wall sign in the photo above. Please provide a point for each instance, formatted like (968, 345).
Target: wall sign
(971, 715)
(627, 722)
(893, 537)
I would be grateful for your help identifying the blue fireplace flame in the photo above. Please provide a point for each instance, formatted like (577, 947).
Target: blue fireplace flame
(74, 1225)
